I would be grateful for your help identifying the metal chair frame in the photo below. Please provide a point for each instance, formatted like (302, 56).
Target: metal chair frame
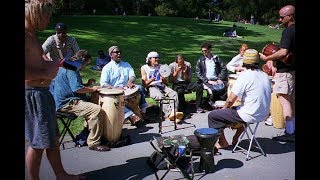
(251, 137)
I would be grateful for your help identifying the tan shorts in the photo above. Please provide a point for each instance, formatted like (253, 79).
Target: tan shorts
(284, 83)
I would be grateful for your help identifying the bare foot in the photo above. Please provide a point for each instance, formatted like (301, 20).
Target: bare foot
(65, 176)
(221, 145)
(234, 141)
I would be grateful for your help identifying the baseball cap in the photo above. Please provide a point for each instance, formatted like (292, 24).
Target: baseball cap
(61, 27)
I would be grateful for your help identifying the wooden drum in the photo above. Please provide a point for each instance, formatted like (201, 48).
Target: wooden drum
(112, 102)
(231, 79)
(276, 112)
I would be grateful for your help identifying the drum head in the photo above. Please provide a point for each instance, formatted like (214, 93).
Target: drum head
(165, 70)
(108, 91)
(129, 91)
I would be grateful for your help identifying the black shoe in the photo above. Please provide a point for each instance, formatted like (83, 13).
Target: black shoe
(186, 116)
(285, 138)
(200, 110)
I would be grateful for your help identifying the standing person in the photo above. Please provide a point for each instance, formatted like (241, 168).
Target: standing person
(284, 78)
(181, 73)
(254, 88)
(235, 65)
(41, 127)
(120, 74)
(157, 87)
(212, 73)
(69, 95)
(60, 45)
(209, 16)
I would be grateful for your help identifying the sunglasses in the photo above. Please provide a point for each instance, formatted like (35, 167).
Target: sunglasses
(204, 51)
(117, 52)
(281, 17)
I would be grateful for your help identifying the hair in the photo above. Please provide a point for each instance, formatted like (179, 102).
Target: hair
(179, 56)
(35, 10)
(244, 46)
(251, 66)
(206, 44)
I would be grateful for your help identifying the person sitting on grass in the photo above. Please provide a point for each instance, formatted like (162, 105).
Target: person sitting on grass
(101, 61)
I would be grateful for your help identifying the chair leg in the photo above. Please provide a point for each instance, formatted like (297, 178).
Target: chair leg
(66, 125)
(251, 138)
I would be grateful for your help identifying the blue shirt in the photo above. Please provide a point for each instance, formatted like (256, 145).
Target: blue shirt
(66, 83)
(101, 62)
(116, 74)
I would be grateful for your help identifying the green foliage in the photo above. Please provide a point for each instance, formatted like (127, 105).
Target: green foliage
(169, 36)
(165, 9)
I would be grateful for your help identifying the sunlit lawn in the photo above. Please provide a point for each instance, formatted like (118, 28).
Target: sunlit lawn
(169, 36)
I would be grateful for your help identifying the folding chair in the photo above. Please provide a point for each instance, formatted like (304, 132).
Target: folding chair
(176, 162)
(66, 119)
(251, 137)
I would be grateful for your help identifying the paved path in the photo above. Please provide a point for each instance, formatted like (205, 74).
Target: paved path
(129, 162)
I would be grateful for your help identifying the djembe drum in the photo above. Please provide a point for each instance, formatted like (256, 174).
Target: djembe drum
(132, 99)
(207, 137)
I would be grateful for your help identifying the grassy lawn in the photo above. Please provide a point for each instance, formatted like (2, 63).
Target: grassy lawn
(169, 36)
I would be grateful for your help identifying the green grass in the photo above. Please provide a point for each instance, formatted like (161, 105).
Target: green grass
(169, 36)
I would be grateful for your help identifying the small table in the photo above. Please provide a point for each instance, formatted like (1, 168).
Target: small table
(169, 147)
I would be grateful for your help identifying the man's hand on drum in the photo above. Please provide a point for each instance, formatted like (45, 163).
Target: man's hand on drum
(95, 88)
(130, 85)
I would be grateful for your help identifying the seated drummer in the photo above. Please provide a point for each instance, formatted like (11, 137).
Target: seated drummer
(120, 74)
(254, 88)
(180, 77)
(156, 86)
(235, 65)
(212, 73)
(68, 94)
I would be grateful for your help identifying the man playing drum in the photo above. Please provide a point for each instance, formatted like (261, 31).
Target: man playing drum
(120, 74)
(254, 88)
(284, 77)
(156, 86)
(68, 95)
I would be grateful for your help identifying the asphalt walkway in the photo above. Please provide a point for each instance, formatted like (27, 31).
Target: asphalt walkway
(129, 162)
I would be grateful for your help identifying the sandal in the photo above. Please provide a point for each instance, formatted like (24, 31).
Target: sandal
(101, 148)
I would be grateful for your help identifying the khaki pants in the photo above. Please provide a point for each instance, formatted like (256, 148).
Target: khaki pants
(94, 116)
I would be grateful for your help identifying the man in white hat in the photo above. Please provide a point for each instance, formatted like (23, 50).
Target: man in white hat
(156, 86)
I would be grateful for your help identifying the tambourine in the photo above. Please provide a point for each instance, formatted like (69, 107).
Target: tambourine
(164, 70)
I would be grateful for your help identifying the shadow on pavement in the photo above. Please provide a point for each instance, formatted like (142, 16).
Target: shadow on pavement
(269, 146)
(134, 169)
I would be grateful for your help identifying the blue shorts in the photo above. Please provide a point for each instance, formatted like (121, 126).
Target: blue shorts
(41, 127)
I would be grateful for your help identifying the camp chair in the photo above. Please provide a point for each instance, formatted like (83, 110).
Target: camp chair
(66, 119)
(251, 135)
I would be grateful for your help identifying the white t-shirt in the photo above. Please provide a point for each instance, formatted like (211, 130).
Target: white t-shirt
(254, 86)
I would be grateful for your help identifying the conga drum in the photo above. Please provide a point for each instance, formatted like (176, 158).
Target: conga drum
(276, 112)
(112, 102)
(132, 99)
(231, 79)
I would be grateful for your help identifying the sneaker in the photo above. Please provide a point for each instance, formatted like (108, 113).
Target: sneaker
(285, 137)
(200, 110)
(268, 122)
